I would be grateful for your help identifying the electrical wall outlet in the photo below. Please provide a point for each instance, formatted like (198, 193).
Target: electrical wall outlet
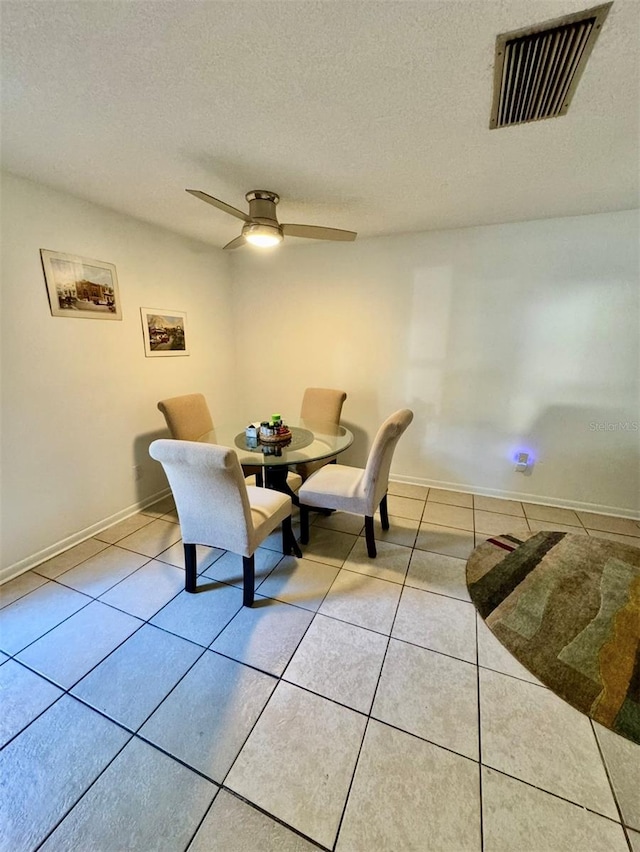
(522, 462)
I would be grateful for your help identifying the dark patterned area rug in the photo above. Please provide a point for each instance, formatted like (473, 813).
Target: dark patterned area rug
(568, 607)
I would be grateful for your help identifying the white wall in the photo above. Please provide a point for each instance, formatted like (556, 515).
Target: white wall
(78, 395)
(499, 338)
(502, 338)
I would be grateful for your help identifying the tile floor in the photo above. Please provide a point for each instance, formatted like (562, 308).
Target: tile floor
(360, 705)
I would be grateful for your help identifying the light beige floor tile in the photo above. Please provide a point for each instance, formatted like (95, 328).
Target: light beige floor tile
(265, 635)
(234, 826)
(540, 526)
(339, 661)
(102, 571)
(207, 716)
(622, 758)
(438, 623)
(174, 555)
(405, 507)
(171, 516)
(391, 562)
(19, 586)
(451, 498)
(152, 539)
(408, 489)
(52, 568)
(199, 617)
(328, 546)
(69, 651)
(632, 541)
(124, 528)
(496, 504)
(299, 581)
(340, 521)
(607, 523)
(493, 523)
(493, 655)
(401, 531)
(408, 794)
(517, 816)
(361, 600)
(298, 761)
(448, 516)
(634, 839)
(551, 514)
(446, 540)
(144, 800)
(157, 510)
(228, 568)
(144, 592)
(32, 615)
(435, 572)
(533, 735)
(430, 695)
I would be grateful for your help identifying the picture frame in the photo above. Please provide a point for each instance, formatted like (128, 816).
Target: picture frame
(79, 287)
(164, 332)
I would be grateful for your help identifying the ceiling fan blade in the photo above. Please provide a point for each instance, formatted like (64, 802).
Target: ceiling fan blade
(239, 241)
(315, 232)
(219, 204)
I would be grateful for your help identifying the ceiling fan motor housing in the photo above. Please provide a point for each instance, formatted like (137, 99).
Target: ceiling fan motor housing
(262, 205)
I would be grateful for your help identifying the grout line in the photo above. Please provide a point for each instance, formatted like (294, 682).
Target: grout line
(479, 737)
(369, 717)
(271, 816)
(555, 795)
(609, 779)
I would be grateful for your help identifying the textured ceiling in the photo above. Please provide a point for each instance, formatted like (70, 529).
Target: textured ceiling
(371, 116)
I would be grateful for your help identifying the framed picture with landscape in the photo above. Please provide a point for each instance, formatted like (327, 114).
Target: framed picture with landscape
(164, 332)
(79, 287)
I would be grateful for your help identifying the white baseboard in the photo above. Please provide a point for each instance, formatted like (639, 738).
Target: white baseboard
(29, 562)
(598, 508)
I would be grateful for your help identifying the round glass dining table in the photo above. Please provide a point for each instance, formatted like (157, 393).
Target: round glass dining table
(310, 441)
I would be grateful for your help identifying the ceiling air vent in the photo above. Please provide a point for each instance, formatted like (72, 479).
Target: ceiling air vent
(537, 69)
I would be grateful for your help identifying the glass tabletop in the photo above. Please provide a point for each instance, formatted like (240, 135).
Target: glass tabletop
(310, 441)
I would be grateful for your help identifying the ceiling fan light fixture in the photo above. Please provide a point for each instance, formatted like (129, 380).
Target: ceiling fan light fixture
(262, 235)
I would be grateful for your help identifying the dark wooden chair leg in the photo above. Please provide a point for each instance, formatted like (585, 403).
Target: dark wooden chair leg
(248, 579)
(289, 542)
(304, 524)
(384, 515)
(190, 568)
(370, 539)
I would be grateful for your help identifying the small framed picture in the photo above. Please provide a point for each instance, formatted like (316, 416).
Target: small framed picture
(79, 287)
(164, 332)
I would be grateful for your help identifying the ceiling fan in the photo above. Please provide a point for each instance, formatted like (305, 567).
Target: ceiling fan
(261, 227)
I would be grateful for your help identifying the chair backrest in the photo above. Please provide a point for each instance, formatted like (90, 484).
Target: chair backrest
(322, 404)
(187, 417)
(375, 479)
(210, 493)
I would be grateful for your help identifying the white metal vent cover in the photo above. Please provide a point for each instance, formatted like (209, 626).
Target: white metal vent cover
(537, 69)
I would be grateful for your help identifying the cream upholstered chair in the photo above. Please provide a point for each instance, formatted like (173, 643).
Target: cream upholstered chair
(352, 489)
(188, 419)
(187, 416)
(321, 405)
(217, 509)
